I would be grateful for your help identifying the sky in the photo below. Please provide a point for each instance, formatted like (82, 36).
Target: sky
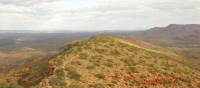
(96, 14)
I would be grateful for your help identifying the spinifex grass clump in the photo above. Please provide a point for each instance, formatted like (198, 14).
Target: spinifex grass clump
(109, 63)
(73, 73)
(9, 85)
(90, 67)
(60, 73)
(100, 76)
(98, 85)
(131, 65)
(83, 55)
(75, 86)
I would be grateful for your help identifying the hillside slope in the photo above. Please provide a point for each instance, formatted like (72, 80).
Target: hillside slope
(183, 38)
(111, 62)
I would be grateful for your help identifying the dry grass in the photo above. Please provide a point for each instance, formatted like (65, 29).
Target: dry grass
(109, 62)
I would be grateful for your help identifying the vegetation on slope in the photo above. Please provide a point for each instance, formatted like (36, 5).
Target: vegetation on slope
(109, 62)
(106, 61)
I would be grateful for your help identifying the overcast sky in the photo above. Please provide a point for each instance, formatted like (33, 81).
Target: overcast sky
(96, 14)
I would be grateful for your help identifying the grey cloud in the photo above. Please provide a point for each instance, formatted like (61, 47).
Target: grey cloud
(25, 2)
(176, 5)
(96, 14)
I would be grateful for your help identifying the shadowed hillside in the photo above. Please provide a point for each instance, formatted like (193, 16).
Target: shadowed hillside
(111, 62)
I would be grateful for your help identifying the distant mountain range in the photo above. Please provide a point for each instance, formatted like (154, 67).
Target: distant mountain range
(187, 35)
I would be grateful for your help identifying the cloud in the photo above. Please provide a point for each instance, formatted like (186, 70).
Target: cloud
(25, 2)
(95, 14)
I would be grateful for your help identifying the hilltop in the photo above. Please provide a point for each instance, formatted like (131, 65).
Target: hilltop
(113, 62)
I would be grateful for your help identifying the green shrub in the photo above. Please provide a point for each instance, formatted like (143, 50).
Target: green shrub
(115, 52)
(60, 73)
(100, 50)
(57, 82)
(100, 76)
(75, 86)
(83, 56)
(99, 85)
(131, 65)
(35, 86)
(109, 63)
(96, 64)
(130, 62)
(9, 85)
(78, 49)
(76, 63)
(114, 81)
(153, 70)
(40, 69)
(73, 74)
(3, 85)
(132, 69)
(90, 67)
(134, 82)
(141, 61)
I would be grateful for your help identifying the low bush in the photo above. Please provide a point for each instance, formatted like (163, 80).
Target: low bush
(100, 50)
(109, 63)
(73, 74)
(83, 56)
(60, 73)
(131, 64)
(100, 76)
(90, 67)
(99, 85)
(9, 85)
(115, 52)
(76, 63)
(57, 82)
(75, 86)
